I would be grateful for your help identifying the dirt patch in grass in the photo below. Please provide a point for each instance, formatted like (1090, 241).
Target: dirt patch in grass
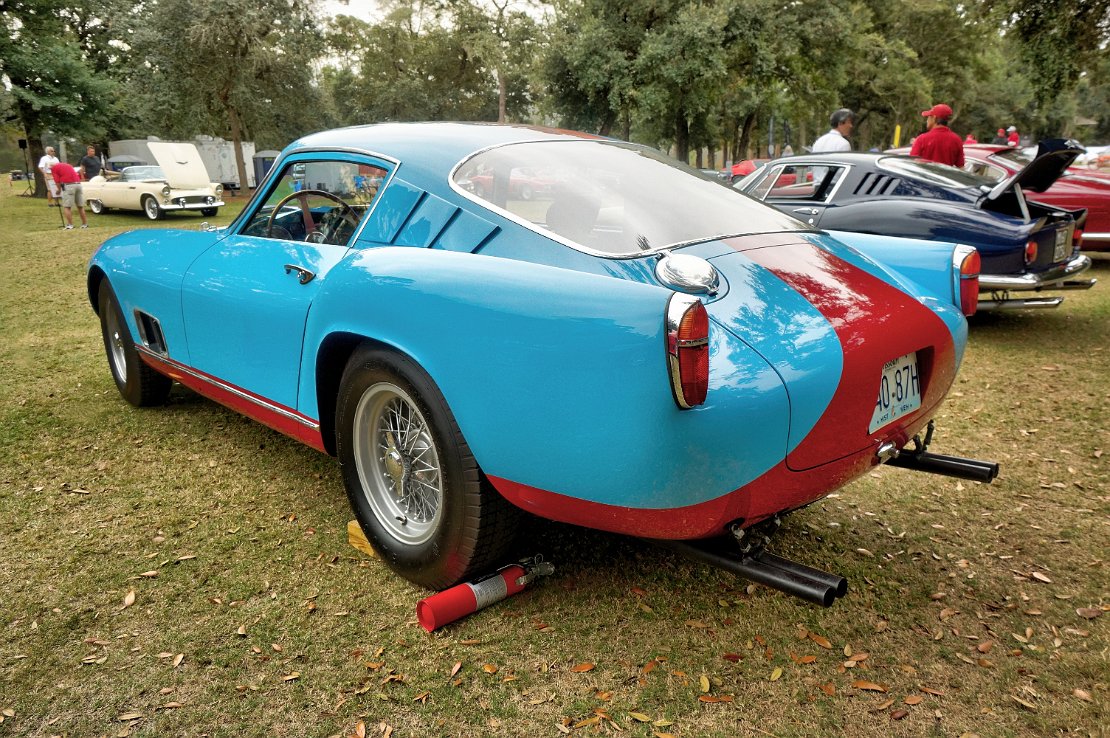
(184, 571)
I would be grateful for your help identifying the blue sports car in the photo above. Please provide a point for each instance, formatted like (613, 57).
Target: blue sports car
(632, 348)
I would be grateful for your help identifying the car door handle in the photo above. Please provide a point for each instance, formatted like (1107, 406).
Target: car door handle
(304, 276)
(807, 211)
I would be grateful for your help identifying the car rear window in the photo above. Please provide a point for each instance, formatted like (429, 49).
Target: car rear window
(928, 171)
(612, 198)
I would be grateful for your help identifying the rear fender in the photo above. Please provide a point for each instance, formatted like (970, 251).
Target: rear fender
(557, 378)
(927, 264)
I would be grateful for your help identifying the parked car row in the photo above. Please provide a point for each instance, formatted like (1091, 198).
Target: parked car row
(642, 350)
(1028, 219)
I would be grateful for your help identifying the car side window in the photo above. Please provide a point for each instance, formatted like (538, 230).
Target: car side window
(983, 169)
(798, 182)
(317, 201)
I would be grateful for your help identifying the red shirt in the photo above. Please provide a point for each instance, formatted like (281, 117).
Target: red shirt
(941, 145)
(65, 174)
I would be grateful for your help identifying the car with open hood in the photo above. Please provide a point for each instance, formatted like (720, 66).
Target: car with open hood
(1026, 246)
(641, 350)
(179, 182)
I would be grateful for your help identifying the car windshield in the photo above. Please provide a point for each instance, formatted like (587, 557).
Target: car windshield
(1018, 157)
(140, 174)
(612, 198)
(931, 172)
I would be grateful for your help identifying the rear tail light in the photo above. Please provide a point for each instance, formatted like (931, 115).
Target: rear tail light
(1077, 239)
(1030, 252)
(968, 264)
(687, 324)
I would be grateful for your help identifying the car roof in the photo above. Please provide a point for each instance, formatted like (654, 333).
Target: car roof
(419, 141)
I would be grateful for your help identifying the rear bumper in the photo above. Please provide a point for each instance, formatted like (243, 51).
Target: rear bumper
(1054, 278)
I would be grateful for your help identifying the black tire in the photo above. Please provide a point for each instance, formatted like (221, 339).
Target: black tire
(208, 212)
(151, 209)
(97, 207)
(472, 526)
(138, 383)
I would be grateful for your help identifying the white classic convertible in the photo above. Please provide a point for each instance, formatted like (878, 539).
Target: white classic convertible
(179, 182)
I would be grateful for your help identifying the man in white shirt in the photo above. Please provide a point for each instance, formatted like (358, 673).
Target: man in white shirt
(46, 163)
(841, 122)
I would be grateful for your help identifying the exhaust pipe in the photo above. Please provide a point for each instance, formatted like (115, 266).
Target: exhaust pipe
(799, 580)
(952, 466)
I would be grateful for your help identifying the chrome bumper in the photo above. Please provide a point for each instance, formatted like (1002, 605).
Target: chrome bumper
(1060, 277)
(172, 205)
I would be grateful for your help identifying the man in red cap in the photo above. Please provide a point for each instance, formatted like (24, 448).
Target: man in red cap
(939, 143)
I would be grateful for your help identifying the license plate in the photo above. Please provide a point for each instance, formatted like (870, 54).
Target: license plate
(1061, 249)
(899, 391)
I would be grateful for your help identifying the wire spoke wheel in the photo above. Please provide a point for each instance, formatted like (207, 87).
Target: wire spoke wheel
(398, 464)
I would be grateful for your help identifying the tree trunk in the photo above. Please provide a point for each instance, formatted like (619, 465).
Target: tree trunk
(237, 146)
(746, 135)
(682, 137)
(502, 96)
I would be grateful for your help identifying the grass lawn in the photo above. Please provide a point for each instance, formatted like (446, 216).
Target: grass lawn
(183, 571)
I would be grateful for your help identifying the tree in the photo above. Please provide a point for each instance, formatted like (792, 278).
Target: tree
(412, 65)
(230, 66)
(51, 84)
(1058, 40)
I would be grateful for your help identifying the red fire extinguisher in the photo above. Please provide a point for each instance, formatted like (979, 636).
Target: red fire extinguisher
(470, 597)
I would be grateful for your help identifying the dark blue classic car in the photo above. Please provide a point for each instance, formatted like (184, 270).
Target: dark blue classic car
(1026, 246)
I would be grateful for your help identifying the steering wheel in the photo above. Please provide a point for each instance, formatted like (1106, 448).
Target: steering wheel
(311, 234)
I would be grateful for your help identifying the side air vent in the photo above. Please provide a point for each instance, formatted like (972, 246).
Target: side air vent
(874, 183)
(150, 333)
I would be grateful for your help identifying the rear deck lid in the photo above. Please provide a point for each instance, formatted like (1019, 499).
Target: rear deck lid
(1053, 158)
(832, 328)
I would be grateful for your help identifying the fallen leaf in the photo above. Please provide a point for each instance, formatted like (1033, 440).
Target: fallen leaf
(883, 706)
(828, 688)
(1023, 703)
(455, 668)
(581, 668)
(291, 676)
(1083, 695)
(776, 674)
(639, 717)
(733, 657)
(127, 716)
(422, 698)
(1088, 613)
(360, 729)
(178, 659)
(869, 686)
(1041, 577)
(820, 640)
(914, 699)
(985, 647)
(899, 714)
(242, 630)
(129, 599)
(489, 669)
(172, 705)
(703, 683)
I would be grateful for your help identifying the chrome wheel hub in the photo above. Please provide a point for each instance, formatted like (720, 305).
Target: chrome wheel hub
(398, 464)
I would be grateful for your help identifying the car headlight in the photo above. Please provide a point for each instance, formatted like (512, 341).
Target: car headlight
(219, 190)
(166, 191)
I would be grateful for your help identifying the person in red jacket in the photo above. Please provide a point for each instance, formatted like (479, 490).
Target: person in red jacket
(939, 143)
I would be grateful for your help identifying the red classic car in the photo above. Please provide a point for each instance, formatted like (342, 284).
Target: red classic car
(1077, 188)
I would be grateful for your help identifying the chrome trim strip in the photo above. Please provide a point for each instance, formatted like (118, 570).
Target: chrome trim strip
(1025, 303)
(1095, 237)
(241, 394)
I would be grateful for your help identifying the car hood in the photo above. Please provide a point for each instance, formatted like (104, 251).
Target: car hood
(181, 163)
(1054, 156)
